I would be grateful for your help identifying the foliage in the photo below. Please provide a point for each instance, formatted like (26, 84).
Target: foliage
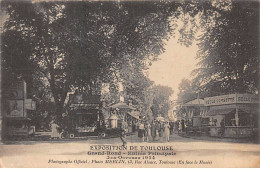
(135, 84)
(187, 91)
(161, 100)
(79, 45)
(229, 51)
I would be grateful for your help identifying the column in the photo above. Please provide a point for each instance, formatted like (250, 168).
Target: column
(236, 116)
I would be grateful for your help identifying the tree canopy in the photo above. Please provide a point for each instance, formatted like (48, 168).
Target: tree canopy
(81, 45)
(161, 100)
(229, 51)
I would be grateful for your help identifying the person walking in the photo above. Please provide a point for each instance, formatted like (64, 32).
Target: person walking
(161, 132)
(54, 131)
(153, 130)
(171, 127)
(157, 136)
(130, 127)
(134, 126)
(167, 131)
(147, 131)
(123, 132)
(222, 128)
(141, 131)
(182, 125)
(125, 127)
(137, 128)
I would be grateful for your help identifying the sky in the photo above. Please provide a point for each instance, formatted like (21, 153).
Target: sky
(176, 63)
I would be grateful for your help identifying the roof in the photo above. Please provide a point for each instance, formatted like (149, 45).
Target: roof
(122, 106)
(195, 102)
(134, 114)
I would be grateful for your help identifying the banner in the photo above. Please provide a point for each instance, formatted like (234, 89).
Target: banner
(231, 99)
(17, 90)
(29, 104)
(15, 108)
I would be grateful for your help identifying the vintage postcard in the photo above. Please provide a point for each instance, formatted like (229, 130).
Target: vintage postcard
(129, 84)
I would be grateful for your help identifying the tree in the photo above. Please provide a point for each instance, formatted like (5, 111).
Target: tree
(229, 51)
(80, 45)
(77, 45)
(135, 84)
(161, 100)
(187, 91)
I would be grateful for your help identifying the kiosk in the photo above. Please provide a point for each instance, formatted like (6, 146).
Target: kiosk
(240, 113)
(85, 115)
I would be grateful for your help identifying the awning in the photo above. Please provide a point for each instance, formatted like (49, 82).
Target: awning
(86, 112)
(133, 114)
(122, 106)
(160, 118)
(213, 112)
(85, 106)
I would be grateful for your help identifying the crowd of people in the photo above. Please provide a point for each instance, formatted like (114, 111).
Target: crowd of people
(154, 130)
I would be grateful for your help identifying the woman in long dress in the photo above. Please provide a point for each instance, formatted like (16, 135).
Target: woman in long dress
(158, 130)
(141, 131)
(153, 130)
(147, 131)
(167, 131)
(54, 131)
(138, 129)
(161, 133)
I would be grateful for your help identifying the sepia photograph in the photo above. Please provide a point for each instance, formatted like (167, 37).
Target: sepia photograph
(129, 84)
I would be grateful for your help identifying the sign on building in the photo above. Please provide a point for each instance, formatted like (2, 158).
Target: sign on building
(80, 101)
(231, 99)
(29, 104)
(247, 98)
(15, 108)
(16, 104)
(17, 90)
